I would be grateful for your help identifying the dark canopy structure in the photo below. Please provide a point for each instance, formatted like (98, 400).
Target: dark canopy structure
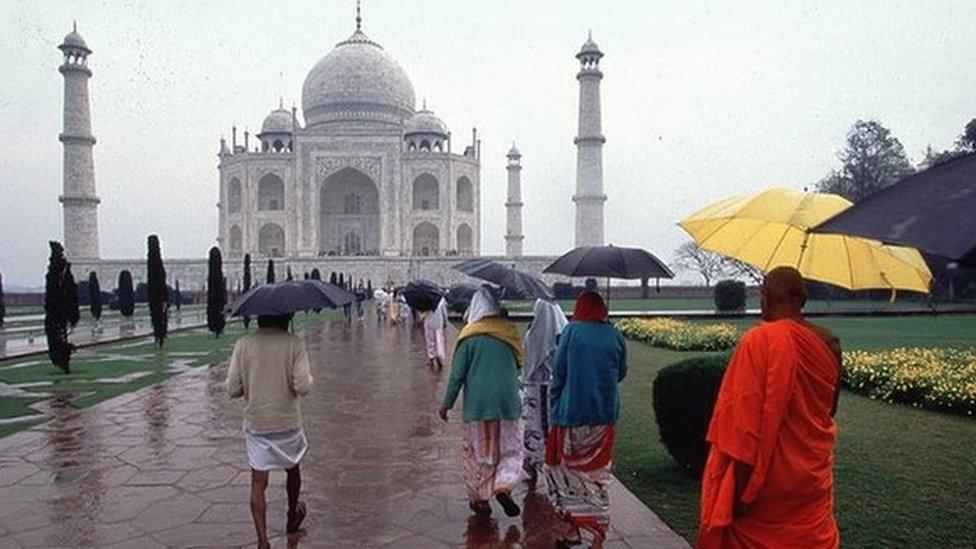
(933, 210)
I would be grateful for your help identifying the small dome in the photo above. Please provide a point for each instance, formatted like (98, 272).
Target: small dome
(74, 40)
(357, 80)
(425, 122)
(589, 47)
(514, 152)
(278, 121)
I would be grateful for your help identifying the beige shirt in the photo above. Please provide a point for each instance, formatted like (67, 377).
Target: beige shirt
(270, 369)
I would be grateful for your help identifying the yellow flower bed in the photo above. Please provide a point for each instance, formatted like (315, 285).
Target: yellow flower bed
(940, 379)
(678, 335)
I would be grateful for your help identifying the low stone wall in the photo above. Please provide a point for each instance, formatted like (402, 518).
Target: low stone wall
(192, 273)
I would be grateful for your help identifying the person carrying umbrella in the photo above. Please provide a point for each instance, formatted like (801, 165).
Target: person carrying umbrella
(486, 362)
(435, 322)
(540, 344)
(270, 370)
(584, 406)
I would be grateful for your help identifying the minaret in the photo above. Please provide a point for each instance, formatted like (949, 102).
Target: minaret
(513, 205)
(80, 201)
(589, 141)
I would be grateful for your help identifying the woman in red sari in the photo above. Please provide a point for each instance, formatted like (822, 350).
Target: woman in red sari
(584, 405)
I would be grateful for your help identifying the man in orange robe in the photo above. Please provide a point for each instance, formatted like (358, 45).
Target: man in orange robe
(768, 481)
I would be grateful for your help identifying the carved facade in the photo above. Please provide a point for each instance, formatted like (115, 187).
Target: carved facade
(366, 175)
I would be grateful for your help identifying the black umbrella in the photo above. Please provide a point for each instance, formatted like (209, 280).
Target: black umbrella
(610, 262)
(518, 284)
(932, 210)
(288, 297)
(422, 295)
(459, 296)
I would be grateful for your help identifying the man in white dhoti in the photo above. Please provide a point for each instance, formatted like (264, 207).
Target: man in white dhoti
(270, 369)
(540, 344)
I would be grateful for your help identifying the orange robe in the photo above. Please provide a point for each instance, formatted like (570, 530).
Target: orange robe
(774, 413)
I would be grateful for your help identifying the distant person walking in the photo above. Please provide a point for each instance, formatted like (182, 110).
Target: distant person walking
(360, 298)
(540, 345)
(270, 370)
(769, 477)
(435, 323)
(584, 405)
(485, 365)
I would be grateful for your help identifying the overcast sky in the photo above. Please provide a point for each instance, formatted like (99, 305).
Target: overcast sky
(701, 100)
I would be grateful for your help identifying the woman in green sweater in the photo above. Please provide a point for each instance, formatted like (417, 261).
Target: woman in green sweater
(486, 364)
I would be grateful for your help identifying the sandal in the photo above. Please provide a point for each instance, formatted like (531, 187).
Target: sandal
(505, 500)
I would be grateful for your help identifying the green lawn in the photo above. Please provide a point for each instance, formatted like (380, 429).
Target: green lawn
(904, 477)
(195, 347)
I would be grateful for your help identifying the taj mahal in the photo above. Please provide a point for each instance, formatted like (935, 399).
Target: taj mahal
(364, 182)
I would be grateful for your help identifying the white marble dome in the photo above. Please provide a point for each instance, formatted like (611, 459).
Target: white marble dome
(357, 81)
(278, 121)
(425, 121)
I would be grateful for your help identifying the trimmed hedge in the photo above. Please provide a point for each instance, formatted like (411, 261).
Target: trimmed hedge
(684, 396)
(730, 296)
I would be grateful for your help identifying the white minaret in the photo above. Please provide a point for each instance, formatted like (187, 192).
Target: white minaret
(80, 200)
(513, 205)
(589, 141)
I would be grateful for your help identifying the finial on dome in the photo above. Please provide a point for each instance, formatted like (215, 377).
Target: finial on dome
(589, 34)
(281, 102)
(359, 18)
(74, 25)
(424, 108)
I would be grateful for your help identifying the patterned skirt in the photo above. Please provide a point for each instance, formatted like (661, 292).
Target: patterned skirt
(491, 457)
(578, 475)
(535, 415)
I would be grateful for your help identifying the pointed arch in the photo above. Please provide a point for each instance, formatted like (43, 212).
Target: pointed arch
(426, 193)
(271, 193)
(426, 239)
(465, 239)
(464, 192)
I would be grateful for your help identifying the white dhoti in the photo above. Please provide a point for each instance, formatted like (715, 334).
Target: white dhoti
(275, 451)
(491, 457)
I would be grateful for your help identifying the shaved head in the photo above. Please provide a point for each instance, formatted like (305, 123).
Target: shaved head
(783, 294)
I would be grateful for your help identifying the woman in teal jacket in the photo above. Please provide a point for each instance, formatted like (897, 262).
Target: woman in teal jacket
(486, 363)
(591, 360)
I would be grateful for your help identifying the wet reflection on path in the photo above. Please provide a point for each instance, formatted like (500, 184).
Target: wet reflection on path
(165, 466)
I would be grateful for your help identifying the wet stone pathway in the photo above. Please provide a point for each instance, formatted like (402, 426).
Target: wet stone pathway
(165, 466)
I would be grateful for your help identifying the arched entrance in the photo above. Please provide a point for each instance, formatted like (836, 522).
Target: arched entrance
(349, 214)
(426, 239)
(465, 240)
(271, 240)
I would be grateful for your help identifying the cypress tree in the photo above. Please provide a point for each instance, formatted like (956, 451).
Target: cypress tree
(72, 311)
(216, 293)
(333, 278)
(125, 294)
(247, 283)
(94, 296)
(316, 275)
(158, 296)
(177, 295)
(3, 306)
(305, 277)
(342, 281)
(55, 309)
(270, 276)
(369, 288)
(289, 277)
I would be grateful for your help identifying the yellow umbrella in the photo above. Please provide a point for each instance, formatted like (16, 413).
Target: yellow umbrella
(771, 229)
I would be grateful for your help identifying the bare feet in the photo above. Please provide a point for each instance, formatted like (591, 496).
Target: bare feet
(295, 519)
